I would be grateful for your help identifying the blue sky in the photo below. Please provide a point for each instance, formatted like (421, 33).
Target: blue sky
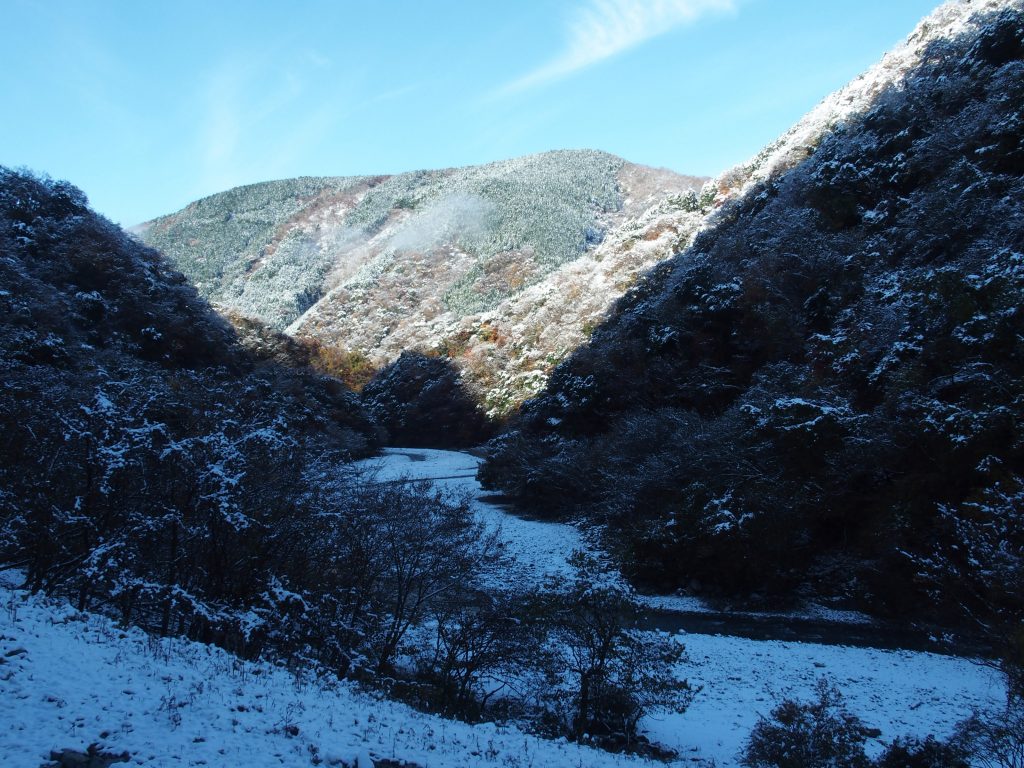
(147, 105)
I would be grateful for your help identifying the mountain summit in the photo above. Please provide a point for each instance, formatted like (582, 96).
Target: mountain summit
(502, 267)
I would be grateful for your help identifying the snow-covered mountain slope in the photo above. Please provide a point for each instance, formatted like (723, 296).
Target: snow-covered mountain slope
(951, 19)
(504, 267)
(70, 679)
(825, 392)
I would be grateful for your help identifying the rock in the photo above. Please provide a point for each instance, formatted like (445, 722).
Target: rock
(93, 757)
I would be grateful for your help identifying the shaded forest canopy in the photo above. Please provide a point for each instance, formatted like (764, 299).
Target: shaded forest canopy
(823, 395)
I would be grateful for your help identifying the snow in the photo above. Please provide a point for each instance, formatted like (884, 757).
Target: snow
(535, 548)
(421, 463)
(899, 692)
(82, 680)
(79, 679)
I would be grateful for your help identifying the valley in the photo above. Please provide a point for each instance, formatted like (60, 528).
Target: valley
(558, 459)
(536, 548)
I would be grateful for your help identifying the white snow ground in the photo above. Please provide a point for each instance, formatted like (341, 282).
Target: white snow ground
(68, 680)
(536, 548)
(899, 692)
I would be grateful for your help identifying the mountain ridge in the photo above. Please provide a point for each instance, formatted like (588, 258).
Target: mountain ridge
(822, 394)
(435, 261)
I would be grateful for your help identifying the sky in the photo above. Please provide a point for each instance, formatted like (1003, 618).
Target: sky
(147, 106)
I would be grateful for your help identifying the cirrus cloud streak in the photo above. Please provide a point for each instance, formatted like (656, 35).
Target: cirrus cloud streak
(603, 28)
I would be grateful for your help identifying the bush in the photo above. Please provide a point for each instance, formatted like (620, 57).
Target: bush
(818, 734)
(487, 647)
(929, 753)
(611, 676)
(824, 734)
(996, 740)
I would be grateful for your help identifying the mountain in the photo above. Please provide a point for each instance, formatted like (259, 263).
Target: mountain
(504, 268)
(155, 470)
(823, 395)
(147, 460)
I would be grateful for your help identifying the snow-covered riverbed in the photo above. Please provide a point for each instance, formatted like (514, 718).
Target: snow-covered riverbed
(898, 692)
(535, 548)
(69, 679)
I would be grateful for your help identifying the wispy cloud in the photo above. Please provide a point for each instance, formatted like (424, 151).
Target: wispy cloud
(220, 127)
(603, 28)
(257, 117)
(273, 113)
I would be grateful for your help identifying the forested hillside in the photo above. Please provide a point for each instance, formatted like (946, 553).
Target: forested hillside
(155, 470)
(146, 459)
(824, 394)
(502, 268)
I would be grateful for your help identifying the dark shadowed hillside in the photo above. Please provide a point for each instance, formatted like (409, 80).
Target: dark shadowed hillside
(824, 394)
(146, 458)
(421, 401)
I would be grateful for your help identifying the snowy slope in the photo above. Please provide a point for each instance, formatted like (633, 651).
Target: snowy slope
(68, 680)
(78, 679)
(949, 20)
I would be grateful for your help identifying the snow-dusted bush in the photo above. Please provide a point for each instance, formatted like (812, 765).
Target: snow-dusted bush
(818, 734)
(610, 676)
(957, 752)
(996, 739)
(823, 734)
